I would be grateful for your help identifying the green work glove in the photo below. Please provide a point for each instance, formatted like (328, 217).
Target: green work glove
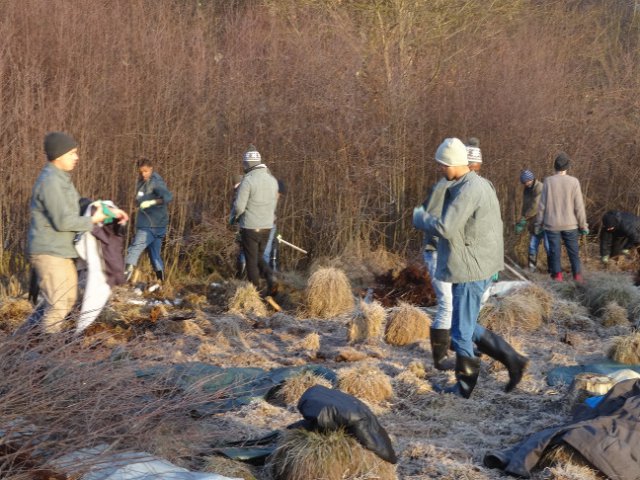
(494, 278)
(584, 231)
(605, 259)
(538, 231)
(232, 219)
(108, 213)
(521, 225)
(148, 203)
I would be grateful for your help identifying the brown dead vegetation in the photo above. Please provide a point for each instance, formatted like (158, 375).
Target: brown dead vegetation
(367, 323)
(626, 349)
(328, 293)
(407, 324)
(366, 382)
(302, 455)
(527, 308)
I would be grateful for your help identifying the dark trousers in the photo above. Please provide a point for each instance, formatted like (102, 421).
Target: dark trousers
(570, 240)
(253, 244)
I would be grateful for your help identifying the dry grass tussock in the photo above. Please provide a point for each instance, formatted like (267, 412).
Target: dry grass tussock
(565, 463)
(407, 324)
(366, 382)
(303, 455)
(246, 301)
(228, 468)
(58, 399)
(613, 314)
(13, 313)
(328, 293)
(310, 342)
(602, 288)
(366, 323)
(295, 386)
(626, 349)
(527, 308)
(571, 315)
(10, 287)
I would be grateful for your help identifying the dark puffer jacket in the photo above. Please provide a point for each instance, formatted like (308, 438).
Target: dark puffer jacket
(625, 233)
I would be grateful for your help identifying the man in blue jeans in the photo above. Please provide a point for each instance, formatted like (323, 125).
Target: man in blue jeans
(562, 217)
(152, 197)
(470, 252)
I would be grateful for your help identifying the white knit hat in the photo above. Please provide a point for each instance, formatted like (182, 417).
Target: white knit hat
(251, 157)
(452, 153)
(474, 155)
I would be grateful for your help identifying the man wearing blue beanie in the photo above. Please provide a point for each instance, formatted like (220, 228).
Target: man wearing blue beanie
(530, 200)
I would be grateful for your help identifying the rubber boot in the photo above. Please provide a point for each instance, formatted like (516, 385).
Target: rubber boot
(128, 272)
(498, 348)
(160, 275)
(440, 341)
(467, 371)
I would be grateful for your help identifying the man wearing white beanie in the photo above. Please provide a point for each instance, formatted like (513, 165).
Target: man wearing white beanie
(470, 252)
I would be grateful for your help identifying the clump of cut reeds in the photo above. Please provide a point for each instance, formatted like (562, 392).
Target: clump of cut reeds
(626, 349)
(408, 383)
(526, 308)
(293, 387)
(613, 314)
(328, 293)
(366, 323)
(13, 313)
(228, 467)
(246, 301)
(562, 455)
(602, 288)
(310, 342)
(366, 382)
(335, 455)
(407, 324)
(572, 315)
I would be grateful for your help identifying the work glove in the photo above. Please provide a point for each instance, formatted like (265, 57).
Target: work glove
(232, 219)
(625, 252)
(584, 231)
(521, 225)
(148, 203)
(605, 259)
(420, 217)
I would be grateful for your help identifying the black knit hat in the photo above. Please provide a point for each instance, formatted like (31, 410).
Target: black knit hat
(561, 162)
(610, 219)
(57, 144)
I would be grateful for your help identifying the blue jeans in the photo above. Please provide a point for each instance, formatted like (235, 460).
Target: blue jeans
(442, 319)
(151, 240)
(570, 239)
(534, 243)
(465, 330)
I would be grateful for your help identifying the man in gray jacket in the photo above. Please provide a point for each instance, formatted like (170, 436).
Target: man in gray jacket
(55, 220)
(254, 210)
(470, 252)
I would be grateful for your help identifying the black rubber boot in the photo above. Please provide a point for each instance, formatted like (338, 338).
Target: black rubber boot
(467, 371)
(498, 348)
(160, 275)
(128, 272)
(440, 341)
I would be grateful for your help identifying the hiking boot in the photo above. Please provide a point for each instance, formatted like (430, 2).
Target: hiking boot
(557, 276)
(578, 278)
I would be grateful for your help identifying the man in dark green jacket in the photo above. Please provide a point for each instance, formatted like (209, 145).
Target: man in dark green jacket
(55, 220)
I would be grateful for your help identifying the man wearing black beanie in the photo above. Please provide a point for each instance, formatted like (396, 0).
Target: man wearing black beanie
(561, 215)
(55, 220)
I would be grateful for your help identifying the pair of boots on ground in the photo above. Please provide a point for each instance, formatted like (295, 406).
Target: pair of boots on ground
(129, 269)
(467, 369)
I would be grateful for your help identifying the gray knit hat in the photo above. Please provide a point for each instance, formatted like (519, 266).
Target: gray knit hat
(57, 144)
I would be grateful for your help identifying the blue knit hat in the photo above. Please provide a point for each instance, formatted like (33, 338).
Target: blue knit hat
(526, 176)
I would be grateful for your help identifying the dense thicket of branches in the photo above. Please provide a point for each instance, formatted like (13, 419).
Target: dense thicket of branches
(346, 100)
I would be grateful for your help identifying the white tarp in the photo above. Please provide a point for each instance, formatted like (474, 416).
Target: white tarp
(100, 465)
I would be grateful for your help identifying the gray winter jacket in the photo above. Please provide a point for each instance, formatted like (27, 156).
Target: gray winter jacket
(156, 216)
(55, 215)
(433, 206)
(470, 230)
(256, 200)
